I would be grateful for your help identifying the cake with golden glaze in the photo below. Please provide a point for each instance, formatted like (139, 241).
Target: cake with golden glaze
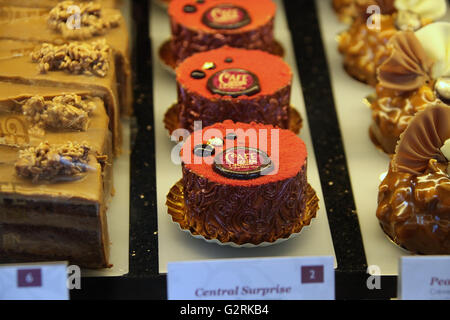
(244, 184)
(55, 176)
(415, 75)
(414, 197)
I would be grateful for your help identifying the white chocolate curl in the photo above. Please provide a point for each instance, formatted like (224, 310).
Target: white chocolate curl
(428, 9)
(446, 149)
(435, 39)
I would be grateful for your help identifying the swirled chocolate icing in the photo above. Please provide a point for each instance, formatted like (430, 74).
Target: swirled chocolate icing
(408, 67)
(423, 139)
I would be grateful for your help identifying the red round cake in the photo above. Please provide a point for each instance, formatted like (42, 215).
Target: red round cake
(414, 197)
(245, 183)
(233, 84)
(208, 24)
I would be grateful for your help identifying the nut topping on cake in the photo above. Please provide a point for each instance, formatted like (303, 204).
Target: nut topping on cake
(62, 112)
(49, 162)
(81, 20)
(76, 58)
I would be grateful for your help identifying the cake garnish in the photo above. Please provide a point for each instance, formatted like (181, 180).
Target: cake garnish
(446, 149)
(408, 67)
(208, 66)
(204, 150)
(234, 82)
(423, 140)
(200, 1)
(81, 20)
(47, 162)
(62, 112)
(435, 40)
(228, 60)
(189, 8)
(426, 9)
(198, 74)
(215, 142)
(226, 16)
(242, 163)
(77, 58)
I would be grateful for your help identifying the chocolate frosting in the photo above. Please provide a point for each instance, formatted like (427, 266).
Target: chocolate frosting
(408, 67)
(423, 139)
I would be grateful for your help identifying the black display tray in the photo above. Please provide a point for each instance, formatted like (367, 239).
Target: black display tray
(144, 280)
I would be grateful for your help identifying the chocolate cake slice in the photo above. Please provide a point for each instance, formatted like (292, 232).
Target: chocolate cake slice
(55, 177)
(59, 25)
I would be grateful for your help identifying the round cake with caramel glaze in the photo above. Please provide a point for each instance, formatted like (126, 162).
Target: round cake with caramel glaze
(203, 25)
(233, 84)
(414, 76)
(245, 184)
(414, 197)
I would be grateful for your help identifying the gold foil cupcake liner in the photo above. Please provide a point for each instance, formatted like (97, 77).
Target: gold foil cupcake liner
(168, 61)
(171, 119)
(177, 210)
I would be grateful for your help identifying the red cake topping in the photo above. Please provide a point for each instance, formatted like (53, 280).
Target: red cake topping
(224, 15)
(255, 154)
(263, 73)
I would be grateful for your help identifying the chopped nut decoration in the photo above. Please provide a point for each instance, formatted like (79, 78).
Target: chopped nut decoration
(77, 58)
(48, 162)
(62, 112)
(80, 21)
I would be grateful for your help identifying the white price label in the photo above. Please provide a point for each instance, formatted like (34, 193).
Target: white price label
(425, 278)
(34, 282)
(298, 278)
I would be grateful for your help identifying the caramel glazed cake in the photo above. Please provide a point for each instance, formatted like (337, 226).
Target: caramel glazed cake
(198, 26)
(68, 21)
(234, 84)
(59, 132)
(414, 197)
(243, 184)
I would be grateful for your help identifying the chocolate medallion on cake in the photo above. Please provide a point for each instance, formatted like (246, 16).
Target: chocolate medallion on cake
(414, 197)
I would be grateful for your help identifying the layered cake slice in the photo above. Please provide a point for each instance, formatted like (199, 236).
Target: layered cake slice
(76, 66)
(47, 4)
(364, 45)
(76, 21)
(414, 197)
(55, 176)
(204, 25)
(415, 75)
(243, 184)
(235, 84)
